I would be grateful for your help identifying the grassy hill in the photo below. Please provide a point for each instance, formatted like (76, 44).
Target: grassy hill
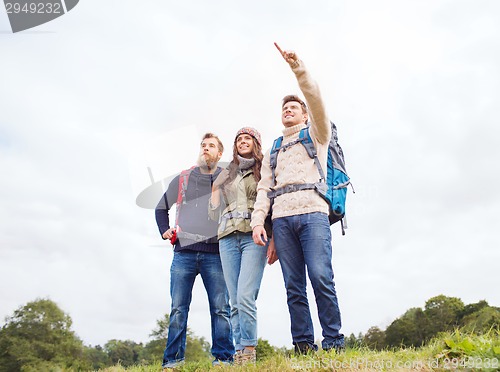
(448, 351)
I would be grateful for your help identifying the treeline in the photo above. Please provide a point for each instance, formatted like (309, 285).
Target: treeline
(38, 337)
(418, 326)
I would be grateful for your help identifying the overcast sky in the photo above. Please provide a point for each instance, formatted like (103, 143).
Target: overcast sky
(92, 99)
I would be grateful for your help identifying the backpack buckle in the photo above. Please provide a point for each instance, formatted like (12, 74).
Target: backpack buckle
(321, 188)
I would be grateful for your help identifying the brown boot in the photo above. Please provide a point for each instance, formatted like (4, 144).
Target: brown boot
(248, 356)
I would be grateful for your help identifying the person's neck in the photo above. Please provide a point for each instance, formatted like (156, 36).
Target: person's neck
(245, 163)
(208, 169)
(289, 131)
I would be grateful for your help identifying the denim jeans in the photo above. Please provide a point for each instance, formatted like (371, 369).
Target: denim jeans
(305, 241)
(243, 263)
(186, 265)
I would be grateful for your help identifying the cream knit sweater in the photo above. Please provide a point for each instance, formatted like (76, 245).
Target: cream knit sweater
(294, 165)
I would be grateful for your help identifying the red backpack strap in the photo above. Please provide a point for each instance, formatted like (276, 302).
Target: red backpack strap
(181, 193)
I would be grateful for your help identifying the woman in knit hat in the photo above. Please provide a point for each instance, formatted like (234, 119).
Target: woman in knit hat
(233, 196)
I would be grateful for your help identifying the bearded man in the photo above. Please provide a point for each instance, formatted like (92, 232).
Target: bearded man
(196, 251)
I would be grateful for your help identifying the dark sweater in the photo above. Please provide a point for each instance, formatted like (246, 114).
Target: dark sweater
(193, 216)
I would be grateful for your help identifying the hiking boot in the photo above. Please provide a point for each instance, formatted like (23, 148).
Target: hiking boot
(304, 347)
(245, 356)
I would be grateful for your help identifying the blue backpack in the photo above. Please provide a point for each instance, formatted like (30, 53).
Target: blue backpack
(331, 186)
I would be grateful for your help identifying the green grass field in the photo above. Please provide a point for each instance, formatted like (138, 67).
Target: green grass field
(450, 351)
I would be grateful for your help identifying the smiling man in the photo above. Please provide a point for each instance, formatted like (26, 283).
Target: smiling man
(301, 228)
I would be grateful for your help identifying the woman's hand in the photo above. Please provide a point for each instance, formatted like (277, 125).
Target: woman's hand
(272, 256)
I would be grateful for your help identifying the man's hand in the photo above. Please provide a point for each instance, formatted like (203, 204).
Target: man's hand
(169, 233)
(288, 55)
(259, 235)
(272, 256)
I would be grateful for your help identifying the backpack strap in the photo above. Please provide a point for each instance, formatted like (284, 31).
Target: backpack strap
(197, 237)
(274, 156)
(290, 188)
(181, 200)
(181, 192)
(306, 140)
(277, 147)
(231, 216)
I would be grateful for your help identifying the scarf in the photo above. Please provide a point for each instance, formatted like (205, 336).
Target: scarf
(245, 163)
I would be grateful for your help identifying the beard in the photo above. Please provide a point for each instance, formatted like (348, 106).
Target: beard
(207, 161)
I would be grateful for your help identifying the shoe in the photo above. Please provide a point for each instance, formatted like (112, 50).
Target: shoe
(221, 363)
(338, 346)
(245, 356)
(237, 357)
(172, 365)
(303, 347)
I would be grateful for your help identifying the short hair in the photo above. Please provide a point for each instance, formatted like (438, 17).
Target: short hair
(295, 98)
(219, 142)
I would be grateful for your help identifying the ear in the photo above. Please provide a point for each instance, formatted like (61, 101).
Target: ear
(305, 117)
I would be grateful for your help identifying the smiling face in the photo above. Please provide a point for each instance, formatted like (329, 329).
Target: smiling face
(244, 144)
(292, 114)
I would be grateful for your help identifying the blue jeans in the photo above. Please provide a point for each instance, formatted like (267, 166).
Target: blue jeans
(243, 263)
(305, 241)
(186, 265)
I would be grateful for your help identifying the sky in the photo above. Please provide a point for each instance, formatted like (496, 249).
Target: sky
(99, 105)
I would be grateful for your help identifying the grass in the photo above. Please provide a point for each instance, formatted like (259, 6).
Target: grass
(450, 351)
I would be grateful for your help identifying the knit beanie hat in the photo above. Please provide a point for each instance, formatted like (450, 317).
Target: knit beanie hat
(251, 131)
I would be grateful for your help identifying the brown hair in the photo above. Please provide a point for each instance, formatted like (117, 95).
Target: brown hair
(256, 154)
(295, 98)
(219, 142)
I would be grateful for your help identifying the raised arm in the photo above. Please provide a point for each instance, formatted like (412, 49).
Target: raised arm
(320, 125)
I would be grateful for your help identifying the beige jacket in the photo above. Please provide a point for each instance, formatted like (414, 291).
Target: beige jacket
(294, 165)
(240, 198)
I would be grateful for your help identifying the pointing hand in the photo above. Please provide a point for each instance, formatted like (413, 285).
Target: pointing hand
(289, 55)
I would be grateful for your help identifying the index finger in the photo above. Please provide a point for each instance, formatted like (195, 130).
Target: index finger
(278, 47)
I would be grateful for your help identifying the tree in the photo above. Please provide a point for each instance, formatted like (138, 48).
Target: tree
(152, 352)
(197, 348)
(482, 321)
(161, 330)
(124, 352)
(408, 330)
(353, 342)
(97, 357)
(374, 338)
(443, 314)
(264, 349)
(39, 333)
(472, 308)
(416, 326)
